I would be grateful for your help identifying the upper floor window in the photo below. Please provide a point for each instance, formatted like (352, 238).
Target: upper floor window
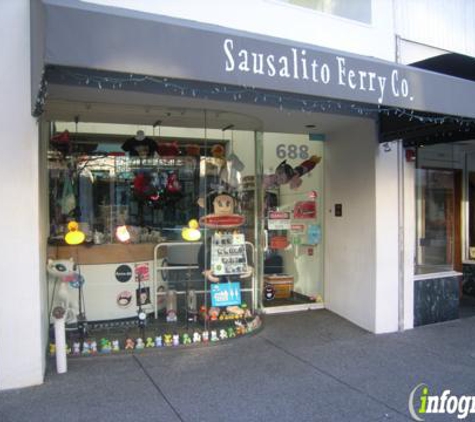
(358, 10)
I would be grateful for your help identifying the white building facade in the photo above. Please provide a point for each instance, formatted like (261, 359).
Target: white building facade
(368, 262)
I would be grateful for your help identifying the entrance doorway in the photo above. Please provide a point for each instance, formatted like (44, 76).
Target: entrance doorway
(292, 201)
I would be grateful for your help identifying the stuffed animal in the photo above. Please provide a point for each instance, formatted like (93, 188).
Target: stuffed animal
(63, 274)
(228, 252)
(218, 151)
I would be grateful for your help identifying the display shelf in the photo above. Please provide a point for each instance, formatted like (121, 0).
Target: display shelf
(105, 254)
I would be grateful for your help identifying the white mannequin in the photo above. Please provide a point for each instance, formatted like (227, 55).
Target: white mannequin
(140, 136)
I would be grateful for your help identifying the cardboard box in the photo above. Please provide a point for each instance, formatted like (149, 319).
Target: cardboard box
(283, 285)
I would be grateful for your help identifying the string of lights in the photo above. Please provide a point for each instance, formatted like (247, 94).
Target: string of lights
(283, 102)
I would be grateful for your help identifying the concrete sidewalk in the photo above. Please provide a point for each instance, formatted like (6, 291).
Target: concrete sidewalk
(311, 366)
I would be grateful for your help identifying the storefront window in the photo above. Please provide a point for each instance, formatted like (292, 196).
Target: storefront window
(436, 217)
(168, 235)
(358, 10)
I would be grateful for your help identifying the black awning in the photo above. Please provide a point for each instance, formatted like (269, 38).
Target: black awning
(433, 128)
(451, 64)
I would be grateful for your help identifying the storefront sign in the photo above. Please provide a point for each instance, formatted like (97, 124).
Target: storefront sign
(123, 273)
(278, 220)
(226, 294)
(72, 34)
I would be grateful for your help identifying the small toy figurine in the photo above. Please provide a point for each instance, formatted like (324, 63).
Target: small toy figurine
(76, 348)
(68, 349)
(196, 337)
(214, 335)
(167, 338)
(205, 336)
(115, 346)
(254, 324)
(240, 328)
(129, 344)
(139, 345)
(235, 311)
(284, 173)
(86, 348)
(52, 349)
(192, 308)
(93, 347)
(203, 313)
(213, 313)
(158, 341)
(171, 304)
(149, 342)
(105, 345)
(231, 332)
(223, 335)
(186, 339)
(176, 340)
(247, 312)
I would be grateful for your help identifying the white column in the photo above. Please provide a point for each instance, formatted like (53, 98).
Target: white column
(387, 238)
(409, 195)
(22, 330)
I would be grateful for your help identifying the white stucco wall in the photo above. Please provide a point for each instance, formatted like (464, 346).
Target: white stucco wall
(387, 238)
(278, 19)
(361, 247)
(431, 23)
(21, 331)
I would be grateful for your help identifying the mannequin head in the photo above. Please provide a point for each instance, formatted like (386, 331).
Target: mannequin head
(140, 136)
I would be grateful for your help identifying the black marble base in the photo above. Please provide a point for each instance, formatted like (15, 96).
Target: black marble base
(436, 300)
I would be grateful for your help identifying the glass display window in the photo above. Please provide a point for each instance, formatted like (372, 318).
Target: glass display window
(168, 248)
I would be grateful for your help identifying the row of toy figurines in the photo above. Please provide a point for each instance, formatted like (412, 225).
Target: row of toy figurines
(105, 346)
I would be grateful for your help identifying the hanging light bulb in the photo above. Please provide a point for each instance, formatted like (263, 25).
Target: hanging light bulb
(122, 234)
(74, 236)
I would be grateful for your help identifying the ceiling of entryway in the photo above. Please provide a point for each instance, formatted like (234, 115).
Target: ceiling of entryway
(65, 103)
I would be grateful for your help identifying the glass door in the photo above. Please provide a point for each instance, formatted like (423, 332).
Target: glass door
(291, 211)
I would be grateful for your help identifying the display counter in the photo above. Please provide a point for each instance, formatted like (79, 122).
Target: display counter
(104, 254)
(110, 274)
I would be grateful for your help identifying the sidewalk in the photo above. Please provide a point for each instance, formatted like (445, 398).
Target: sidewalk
(311, 366)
